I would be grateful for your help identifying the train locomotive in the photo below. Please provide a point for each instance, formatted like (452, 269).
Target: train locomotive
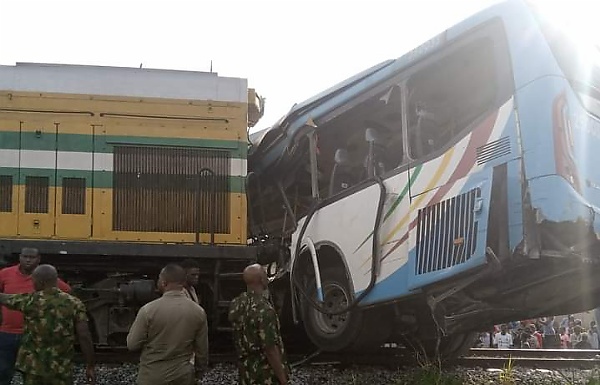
(114, 172)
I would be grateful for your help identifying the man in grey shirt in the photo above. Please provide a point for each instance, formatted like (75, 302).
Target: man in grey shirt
(169, 330)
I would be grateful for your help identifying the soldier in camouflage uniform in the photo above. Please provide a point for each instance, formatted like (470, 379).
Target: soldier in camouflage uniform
(256, 333)
(51, 319)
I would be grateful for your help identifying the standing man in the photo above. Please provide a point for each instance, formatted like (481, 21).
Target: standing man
(16, 280)
(169, 330)
(503, 339)
(52, 318)
(256, 333)
(593, 335)
(192, 276)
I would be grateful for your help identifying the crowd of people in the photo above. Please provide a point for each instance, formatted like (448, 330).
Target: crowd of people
(542, 333)
(41, 322)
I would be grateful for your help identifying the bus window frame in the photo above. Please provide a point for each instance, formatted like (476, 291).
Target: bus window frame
(493, 29)
(404, 165)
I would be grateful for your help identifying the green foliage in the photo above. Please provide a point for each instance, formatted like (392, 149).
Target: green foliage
(433, 375)
(430, 370)
(507, 376)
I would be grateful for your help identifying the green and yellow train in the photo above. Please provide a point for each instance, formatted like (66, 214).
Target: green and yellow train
(113, 172)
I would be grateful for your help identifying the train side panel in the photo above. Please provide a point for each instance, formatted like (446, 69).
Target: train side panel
(79, 168)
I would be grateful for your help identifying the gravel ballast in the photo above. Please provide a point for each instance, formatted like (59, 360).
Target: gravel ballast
(125, 374)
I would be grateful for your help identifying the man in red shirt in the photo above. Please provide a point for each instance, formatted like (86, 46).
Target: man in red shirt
(16, 280)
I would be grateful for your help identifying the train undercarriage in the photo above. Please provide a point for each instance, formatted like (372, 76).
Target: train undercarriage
(114, 279)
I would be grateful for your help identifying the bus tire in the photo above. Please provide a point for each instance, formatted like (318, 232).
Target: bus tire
(450, 347)
(332, 332)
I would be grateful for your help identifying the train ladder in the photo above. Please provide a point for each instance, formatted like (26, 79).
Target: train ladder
(225, 278)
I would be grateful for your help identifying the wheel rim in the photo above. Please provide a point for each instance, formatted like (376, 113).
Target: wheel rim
(335, 297)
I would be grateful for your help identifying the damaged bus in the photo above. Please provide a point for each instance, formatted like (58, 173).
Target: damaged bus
(442, 192)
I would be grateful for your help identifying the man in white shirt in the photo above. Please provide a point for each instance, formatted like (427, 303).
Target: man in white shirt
(503, 339)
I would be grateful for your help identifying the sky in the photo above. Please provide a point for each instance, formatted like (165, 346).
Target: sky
(289, 50)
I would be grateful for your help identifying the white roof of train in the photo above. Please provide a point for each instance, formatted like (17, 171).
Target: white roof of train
(121, 81)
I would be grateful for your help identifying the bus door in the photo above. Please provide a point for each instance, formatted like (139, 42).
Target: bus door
(365, 212)
(459, 100)
(37, 179)
(75, 161)
(451, 184)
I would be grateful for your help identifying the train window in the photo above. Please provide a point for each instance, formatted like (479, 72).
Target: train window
(73, 196)
(6, 190)
(36, 194)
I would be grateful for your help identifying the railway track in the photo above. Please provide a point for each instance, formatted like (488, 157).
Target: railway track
(532, 358)
(401, 357)
(564, 353)
(485, 358)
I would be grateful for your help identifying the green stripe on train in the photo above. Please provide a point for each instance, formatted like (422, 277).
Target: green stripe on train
(99, 179)
(9, 140)
(105, 144)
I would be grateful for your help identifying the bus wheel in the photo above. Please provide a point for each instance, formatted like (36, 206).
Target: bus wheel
(332, 332)
(458, 344)
(450, 347)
